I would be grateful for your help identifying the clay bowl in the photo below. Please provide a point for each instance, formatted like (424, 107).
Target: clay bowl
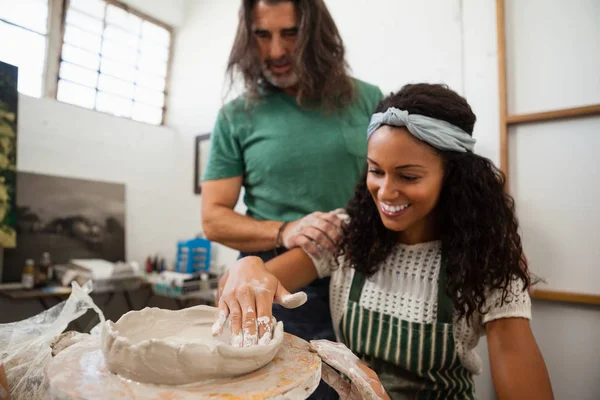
(176, 347)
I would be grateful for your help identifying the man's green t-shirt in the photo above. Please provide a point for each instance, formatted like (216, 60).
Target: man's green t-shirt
(294, 160)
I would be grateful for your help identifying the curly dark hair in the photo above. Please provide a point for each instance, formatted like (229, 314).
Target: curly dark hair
(319, 57)
(481, 246)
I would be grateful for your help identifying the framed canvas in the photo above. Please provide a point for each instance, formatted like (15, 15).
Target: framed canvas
(8, 154)
(201, 151)
(68, 217)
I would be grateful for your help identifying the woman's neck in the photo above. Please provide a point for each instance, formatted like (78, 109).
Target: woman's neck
(426, 230)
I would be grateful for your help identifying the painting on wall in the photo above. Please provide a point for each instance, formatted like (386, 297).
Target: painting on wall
(201, 152)
(69, 218)
(9, 98)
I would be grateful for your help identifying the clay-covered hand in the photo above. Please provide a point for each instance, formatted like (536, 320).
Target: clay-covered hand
(247, 298)
(315, 233)
(364, 381)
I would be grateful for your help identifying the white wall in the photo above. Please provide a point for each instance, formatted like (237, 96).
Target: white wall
(552, 62)
(170, 12)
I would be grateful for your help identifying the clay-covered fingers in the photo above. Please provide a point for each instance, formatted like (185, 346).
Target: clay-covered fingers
(235, 323)
(247, 303)
(264, 320)
(288, 300)
(337, 383)
(220, 318)
(325, 230)
(331, 227)
(310, 246)
(342, 359)
(365, 380)
(248, 287)
(323, 235)
(335, 354)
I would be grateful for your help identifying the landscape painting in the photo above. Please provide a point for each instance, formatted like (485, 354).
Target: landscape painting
(69, 218)
(8, 153)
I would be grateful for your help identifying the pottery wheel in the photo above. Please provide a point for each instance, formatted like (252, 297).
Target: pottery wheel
(79, 372)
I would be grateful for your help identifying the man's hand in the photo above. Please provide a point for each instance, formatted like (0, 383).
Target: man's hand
(364, 381)
(316, 232)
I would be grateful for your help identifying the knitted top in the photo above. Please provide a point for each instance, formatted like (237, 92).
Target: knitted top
(405, 286)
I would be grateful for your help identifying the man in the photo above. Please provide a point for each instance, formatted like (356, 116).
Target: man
(295, 141)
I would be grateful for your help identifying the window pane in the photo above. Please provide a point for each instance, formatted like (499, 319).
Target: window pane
(85, 22)
(116, 105)
(118, 35)
(158, 52)
(113, 61)
(151, 97)
(78, 74)
(82, 39)
(95, 8)
(152, 65)
(30, 82)
(76, 94)
(26, 50)
(150, 81)
(115, 51)
(144, 113)
(115, 86)
(80, 57)
(118, 16)
(118, 70)
(156, 33)
(31, 14)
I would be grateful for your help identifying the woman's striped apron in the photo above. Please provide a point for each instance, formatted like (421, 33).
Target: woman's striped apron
(412, 360)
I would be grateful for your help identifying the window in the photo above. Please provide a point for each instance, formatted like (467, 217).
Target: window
(114, 61)
(23, 29)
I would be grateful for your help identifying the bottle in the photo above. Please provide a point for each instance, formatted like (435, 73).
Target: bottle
(148, 265)
(28, 277)
(50, 269)
(46, 267)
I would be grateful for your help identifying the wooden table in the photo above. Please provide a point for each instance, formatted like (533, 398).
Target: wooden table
(60, 293)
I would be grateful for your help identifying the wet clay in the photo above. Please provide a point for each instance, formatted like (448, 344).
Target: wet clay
(177, 347)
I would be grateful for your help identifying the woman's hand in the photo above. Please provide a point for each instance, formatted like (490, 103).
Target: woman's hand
(365, 383)
(246, 298)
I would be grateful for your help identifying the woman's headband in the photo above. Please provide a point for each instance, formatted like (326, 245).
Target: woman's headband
(438, 133)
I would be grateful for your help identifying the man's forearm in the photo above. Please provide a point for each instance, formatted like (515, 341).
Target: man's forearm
(240, 232)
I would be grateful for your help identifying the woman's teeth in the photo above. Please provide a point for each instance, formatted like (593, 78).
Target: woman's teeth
(393, 209)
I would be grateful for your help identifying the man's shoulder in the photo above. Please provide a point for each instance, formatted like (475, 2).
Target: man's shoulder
(366, 89)
(236, 104)
(233, 110)
(367, 95)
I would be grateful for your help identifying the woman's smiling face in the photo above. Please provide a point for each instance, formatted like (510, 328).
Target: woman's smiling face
(405, 180)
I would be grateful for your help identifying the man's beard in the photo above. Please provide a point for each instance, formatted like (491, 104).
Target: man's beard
(283, 81)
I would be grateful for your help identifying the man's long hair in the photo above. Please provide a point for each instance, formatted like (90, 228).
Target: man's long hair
(319, 57)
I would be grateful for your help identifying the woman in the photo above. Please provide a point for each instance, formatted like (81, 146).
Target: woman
(430, 261)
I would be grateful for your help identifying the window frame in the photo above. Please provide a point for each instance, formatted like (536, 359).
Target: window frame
(47, 35)
(57, 15)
